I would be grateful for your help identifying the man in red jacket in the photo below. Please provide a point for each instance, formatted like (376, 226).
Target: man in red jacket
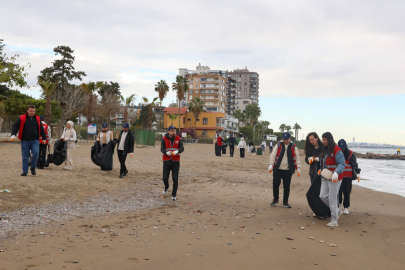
(219, 144)
(30, 131)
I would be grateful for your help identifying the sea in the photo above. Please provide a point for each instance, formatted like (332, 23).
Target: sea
(382, 175)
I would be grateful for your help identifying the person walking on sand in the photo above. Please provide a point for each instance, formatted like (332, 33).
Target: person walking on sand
(171, 148)
(271, 147)
(263, 145)
(333, 165)
(284, 161)
(219, 144)
(348, 177)
(43, 144)
(105, 136)
(313, 154)
(242, 146)
(30, 131)
(232, 142)
(125, 145)
(69, 136)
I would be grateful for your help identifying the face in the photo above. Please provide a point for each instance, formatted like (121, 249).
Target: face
(105, 129)
(68, 125)
(125, 129)
(31, 112)
(172, 132)
(325, 141)
(313, 141)
(286, 141)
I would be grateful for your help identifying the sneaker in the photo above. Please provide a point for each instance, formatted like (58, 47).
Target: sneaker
(33, 172)
(274, 203)
(24, 174)
(121, 175)
(346, 211)
(164, 192)
(340, 213)
(333, 223)
(286, 205)
(174, 199)
(125, 173)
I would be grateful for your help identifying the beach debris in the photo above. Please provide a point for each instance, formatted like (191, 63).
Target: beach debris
(315, 263)
(311, 237)
(1, 250)
(320, 241)
(333, 254)
(229, 243)
(242, 226)
(332, 245)
(288, 238)
(75, 262)
(302, 228)
(293, 247)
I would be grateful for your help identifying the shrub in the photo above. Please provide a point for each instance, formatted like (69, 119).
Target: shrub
(205, 140)
(188, 131)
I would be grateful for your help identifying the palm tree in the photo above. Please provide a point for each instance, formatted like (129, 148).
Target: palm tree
(127, 102)
(196, 106)
(297, 127)
(282, 127)
(150, 111)
(288, 128)
(162, 88)
(173, 116)
(48, 87)
(181, 87)
(90, 88)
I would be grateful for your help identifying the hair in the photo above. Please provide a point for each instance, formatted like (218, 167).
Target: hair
(331, 143)
(308, 146)
(31, 107)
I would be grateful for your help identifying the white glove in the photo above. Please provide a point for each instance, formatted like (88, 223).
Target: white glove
(299, 172)
(168, 153)
(310, 160)
(335, 177)
(270, 168)
(12, 138)
(175, 152)
(132, 154)
(317, 159)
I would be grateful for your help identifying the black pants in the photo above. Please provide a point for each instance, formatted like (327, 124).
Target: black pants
(242, 152)
(173, 166)
(219, 150)
(345, 190)
(271, 149)
(231, 149)
(42, 156)
(122, 158)
(277, 176)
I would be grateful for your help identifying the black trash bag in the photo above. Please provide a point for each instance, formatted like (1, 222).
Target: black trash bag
(224, 149)
(216, 149)
(95, 150)
(59, 152)
(105, 157)
(317, 205)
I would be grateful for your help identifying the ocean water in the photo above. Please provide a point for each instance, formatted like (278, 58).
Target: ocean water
(376, 150)
(382, 175)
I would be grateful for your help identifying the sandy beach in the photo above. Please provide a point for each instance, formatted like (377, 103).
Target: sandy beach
(89, 219)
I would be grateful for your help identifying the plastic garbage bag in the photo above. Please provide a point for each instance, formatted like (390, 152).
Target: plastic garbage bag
(318, 207)
(59, 152)
(95, 150)
(105, 157)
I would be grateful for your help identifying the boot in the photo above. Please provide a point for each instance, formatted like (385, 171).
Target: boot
(33, 172)
(121, 175)
(125, 173)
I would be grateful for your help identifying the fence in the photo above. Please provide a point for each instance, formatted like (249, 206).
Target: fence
(145, 138)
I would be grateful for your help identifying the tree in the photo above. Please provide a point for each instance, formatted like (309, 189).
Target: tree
(288, 128)
(296, 127)
(146, 115)
(196, 106)
(89, 89)
(112, 88)
(181, 87)
(173, 117)
(162, 88)
(11, 73)
(247, 132)
(48, 87)
(150, 107)
(107, 108)
(252, 112)
(17, 106)
(282, 128)
(127, 102)
(241, 116)
(260, 129)
(72, 100)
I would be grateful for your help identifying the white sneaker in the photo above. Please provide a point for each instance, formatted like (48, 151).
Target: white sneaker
(333, 223)
(174, 199)
(346, 211)
(164, 192)
(340, 213)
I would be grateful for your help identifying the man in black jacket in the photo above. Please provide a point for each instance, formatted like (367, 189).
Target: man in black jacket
(232, 142)
(171, 148)
(30, 130)
(125, 145)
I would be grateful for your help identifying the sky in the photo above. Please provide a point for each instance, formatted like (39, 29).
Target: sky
(336, 66)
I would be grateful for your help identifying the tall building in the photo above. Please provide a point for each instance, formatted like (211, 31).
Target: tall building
(247, 83)
(231, 95)
(209, 85)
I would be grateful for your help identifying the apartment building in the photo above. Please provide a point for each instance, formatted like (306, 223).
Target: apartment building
(232, 95)
(247, 83)
(240, 104)
(209, 85)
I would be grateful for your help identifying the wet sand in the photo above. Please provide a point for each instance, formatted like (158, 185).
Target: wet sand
(89, 219)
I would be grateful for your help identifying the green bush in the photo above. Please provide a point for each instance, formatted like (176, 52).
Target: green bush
(205, 140)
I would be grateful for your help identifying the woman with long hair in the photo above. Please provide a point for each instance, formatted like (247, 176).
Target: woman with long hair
(333, 164)
(69, 136)
(313, 154)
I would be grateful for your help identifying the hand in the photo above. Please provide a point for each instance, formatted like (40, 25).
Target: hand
(310, 160)
(270, 169)
(335, 177)
(98, 140)
(168, 153)
(319, 172)
(132, 154)
(63, 139)
(175, 153)
(317, 159)
(44, 142)
(12, 138)
(299, 172)
(358, 178)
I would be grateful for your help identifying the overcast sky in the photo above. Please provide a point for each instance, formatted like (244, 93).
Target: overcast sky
(335, 66)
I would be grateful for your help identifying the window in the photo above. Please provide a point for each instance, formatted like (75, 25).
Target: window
(191, 86)
(203, 79)
(196, 80)
(205, 121)
(196, 91)
(204, 132)
(196, 85)
(190, 92)
(191, 97)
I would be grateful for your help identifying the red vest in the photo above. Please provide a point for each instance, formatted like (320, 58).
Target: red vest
(23, 118)
(219, 141)
(171, 148)
(289, 162)
(330, 161)
(47, 135)
(348, 172)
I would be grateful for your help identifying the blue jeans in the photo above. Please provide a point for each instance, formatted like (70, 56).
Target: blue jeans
(26, 148)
